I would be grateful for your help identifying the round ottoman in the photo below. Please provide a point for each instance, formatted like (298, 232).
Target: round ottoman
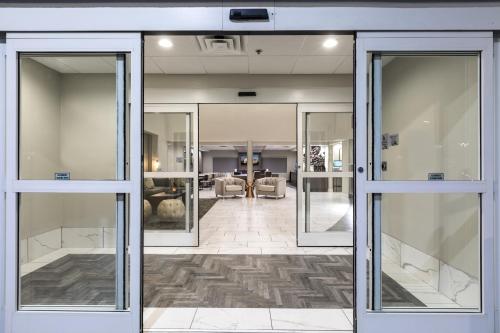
(148, 210)
(171, 208)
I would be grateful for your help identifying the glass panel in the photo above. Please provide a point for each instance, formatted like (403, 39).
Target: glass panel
(68, 117)
(327, 204)
(67, 246)
(327, 141)
(431, 251)
(165, 142)
(430, 118)
(168, 204)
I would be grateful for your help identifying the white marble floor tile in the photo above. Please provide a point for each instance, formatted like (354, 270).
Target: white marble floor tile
(159, 250)
(350, 315)
(310, 319)
(232, 319)
(168, 318)
(240, 250)
(196, 250)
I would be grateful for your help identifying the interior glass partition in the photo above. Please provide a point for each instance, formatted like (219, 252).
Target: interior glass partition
(325, 179)
(170, 165)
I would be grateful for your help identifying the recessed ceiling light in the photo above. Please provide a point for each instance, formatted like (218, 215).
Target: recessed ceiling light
(330, 43)
(165, 42)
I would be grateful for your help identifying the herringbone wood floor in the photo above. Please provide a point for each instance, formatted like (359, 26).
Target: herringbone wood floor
(201, 280)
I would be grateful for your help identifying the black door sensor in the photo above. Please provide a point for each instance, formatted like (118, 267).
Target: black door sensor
(248, 14)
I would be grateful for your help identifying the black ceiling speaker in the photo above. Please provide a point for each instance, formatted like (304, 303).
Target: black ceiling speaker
(247, 94)
(248, 14)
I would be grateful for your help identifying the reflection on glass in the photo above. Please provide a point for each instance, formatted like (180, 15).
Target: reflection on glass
(430, 117)
(430, 251)
(67, 246)
(165, 142)
(327, 205)
(68, 117)
(168, 204)
(327, 141)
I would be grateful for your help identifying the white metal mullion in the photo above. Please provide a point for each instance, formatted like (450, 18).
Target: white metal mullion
(169, 174)
(300, 164)
(196, 163)
(2, 184)
(426, 186)
(135, 202)
(361, 239)
(329, 174)
(72, 186)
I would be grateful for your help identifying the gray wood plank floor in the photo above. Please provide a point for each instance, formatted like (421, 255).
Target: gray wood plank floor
(203, 280)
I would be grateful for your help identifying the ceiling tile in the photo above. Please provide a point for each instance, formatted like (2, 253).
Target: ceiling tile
(271, 65)
(150, 66)
(182, 46)
(274, 45)
(180, 65)
(317, 64)
(88, 64)
(313, 45)
(225, 65)
(54, 64)
(346, 66)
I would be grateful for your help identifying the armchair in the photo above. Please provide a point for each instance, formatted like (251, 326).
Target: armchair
(270, 186)
(229, 186)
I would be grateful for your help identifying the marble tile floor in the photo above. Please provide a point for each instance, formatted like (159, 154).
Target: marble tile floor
(254, 226)
(247, 320)
(423, 291)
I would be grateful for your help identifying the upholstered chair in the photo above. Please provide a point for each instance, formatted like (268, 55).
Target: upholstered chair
(271, 187)
(229, 186)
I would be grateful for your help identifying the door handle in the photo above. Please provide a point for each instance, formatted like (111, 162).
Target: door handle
(361, 170)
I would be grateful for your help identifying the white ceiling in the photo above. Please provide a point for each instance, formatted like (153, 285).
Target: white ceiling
(79, 64)
(293, 54)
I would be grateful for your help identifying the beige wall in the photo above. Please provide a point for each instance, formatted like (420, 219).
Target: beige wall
(433, 106)
(160, 88)
(67, 124)
(39, 148)
(259, 123)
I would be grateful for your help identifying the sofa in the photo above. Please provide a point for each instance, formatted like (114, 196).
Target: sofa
(229, 186)
(158, 185)
(270, 187)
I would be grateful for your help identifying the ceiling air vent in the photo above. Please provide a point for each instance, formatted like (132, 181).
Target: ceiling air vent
(220, 45)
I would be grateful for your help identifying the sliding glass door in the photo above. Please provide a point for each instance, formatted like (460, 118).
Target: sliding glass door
(170, 175)
(424, 203)
(73, 174)
(325, 188)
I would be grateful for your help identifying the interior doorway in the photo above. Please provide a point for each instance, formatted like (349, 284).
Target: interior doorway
(227, 250)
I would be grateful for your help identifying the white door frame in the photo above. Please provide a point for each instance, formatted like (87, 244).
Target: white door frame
(77, 320)
(175, 237)
(2, 183)
(305, 238)
(412, 322)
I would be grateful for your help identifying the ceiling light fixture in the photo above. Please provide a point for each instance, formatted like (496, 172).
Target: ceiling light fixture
(166, 43)
(330, 43)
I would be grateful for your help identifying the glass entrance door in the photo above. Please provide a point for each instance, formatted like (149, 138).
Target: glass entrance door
(73, 180)
(424, 178)
(170, 175)
(325, 187)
